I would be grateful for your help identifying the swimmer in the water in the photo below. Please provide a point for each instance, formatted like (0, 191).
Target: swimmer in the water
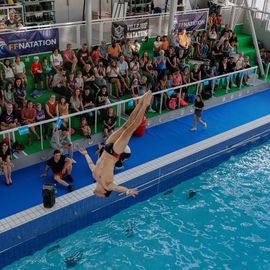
(114, 146)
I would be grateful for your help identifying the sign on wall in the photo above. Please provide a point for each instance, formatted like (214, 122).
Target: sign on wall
(191, 21)
(31, 42)
(132, 29)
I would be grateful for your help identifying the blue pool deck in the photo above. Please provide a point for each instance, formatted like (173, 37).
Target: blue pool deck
(21, 212)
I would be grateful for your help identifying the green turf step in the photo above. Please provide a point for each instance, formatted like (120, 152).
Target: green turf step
(238, 29)
(244, 40)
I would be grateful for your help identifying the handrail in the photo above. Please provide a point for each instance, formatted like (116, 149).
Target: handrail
(267, 71)
(104, 20)
(119, 103)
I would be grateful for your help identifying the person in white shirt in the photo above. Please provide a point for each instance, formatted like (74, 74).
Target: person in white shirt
(56, 60)
(123, 69)
(19, 70)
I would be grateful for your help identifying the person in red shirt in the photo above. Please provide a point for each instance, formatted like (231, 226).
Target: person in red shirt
(95, 54)
(36, 72)
(28, 115)
(69, 58)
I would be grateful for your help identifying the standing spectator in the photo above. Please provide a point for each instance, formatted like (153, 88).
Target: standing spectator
(61, 140)
(109, 122)
(59, 82)
(9, 118)
(76, 101)
(36, 72)
(198, 108)
(8, 71)
(61, 167)
(83, 56)
(19, 93)
(5, 162)
(28, 116)
(69, 58)
(114, 51)
(19, 70)
(56, 61)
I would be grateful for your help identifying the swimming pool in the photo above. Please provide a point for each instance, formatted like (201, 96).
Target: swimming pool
(224, 226)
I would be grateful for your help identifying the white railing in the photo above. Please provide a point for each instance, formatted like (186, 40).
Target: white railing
(122, 104)
(267, 71)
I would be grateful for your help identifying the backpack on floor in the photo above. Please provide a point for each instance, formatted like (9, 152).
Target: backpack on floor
(172, 103)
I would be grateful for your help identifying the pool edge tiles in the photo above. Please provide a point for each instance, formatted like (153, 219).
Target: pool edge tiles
(25, 232)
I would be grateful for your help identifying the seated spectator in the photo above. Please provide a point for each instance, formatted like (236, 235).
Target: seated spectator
(157, 46)
(8, 71)
(37, 73)
(114, 51)
(5, 161)
(143, 61)
(123, 69)
(104, 53)
(171, 62)
(135, 91)
(185, 80)
(202, 51)
(79, 81)
(206, 70)
(19, 70)
(61, 140)
(89, 77)
(151, 73)
(69, 59)
(226, 48)
(135, 68)
(95, 55)
(59, 83)
(161, 61)
(223, 38)
(216, 54)
(163, 84)
(223, 66)
(109, 122)
(51, 111)
(85, 129)
(136, 48)
(195, 75)
(47, 71)
(225, 30)
(9, 118)
(175, 41)
(181, 59)
(83, 56)
(88, 99)
(63, 108)
(11, 22)
(212, 37)
(127, 51)
(245, 66)
(165, 45)
(8, 95)
(71, 85)
(56, 61)
(40, 113)
(234, 42)
(76, 101)
(103, 96)
(61, 167)
(231, 68)
(28, 116)
(239, 61)
(219, 21)
(19, 92)
(176, 78)
(100, 74)
(143, 85)
(115, 77)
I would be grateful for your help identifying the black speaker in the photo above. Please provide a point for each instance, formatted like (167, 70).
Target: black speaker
(48, 194)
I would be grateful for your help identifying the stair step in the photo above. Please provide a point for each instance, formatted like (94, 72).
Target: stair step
(244, 40)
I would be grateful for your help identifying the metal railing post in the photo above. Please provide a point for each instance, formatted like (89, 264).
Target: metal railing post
(267, 72)
(159, 25)
(78, 35)
(119, 114)
(41, 137)
(101, 32)
(161, 103)
(96, 121)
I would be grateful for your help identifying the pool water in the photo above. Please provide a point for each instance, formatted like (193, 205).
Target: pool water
(225, 225)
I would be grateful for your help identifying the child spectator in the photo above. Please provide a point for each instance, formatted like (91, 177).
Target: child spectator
(135, 68)
(85, 129)
(47, 71)
(71, 85)
(234, 42)
(63, 107)
(109, 122)
(135, 92)
(79, 81)
(40, 113)
(36, 72)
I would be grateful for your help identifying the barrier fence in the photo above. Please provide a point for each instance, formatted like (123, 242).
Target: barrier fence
(122, 105)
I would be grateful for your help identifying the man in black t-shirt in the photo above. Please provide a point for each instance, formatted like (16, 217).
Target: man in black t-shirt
(231, 67)
(9, 118)
(61, 167)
